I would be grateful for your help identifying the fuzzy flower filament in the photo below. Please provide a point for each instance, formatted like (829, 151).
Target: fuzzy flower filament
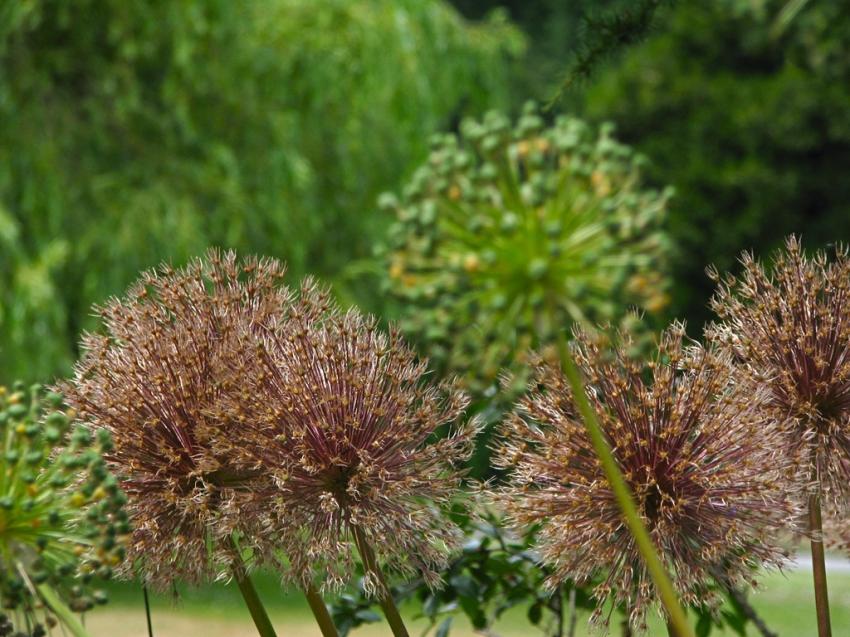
(149, 379)
(790, 332)
(342, 416)
(690, 446)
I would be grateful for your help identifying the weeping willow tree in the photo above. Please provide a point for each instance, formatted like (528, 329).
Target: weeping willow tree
(132, 132)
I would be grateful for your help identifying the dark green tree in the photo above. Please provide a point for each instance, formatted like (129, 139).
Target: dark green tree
(742, 107)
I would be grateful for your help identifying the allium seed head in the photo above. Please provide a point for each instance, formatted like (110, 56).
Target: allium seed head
(150, 379)
(695, 452)
(62, 522)
(342, 417)
(509, 232)
(790, 331)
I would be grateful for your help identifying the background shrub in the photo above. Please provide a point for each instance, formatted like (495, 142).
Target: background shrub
(742, 107)
(132, 132)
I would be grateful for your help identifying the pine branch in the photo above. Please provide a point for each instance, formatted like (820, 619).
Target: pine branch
(606, 35)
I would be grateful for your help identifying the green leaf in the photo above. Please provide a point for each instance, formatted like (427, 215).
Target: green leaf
(474, 612)
(535, 613)
(464, 585)
(368, 616)
(443, 630)
(704, 625)
(735, 622)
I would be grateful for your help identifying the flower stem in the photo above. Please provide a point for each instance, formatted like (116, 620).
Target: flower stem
(249, 594)
(385, 598)
(571, 629)
(147, 610)
(819, 566)
(320, 611)
(677, 619)
(65, 615)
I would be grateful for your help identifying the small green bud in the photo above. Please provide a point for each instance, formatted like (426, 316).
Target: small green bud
(17, 411)
(82, 436)
(57, 419)
(54, 399)
(537, 268)
(510, 221)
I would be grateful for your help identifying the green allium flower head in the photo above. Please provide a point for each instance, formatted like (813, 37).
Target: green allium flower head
(508, 234)
(62, 524)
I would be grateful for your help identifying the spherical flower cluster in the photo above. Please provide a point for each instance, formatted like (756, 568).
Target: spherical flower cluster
(150, 380)
(699, 456)
(240, 409)
(358, 443)
(62, 523)
(507, 234)
(790, 331)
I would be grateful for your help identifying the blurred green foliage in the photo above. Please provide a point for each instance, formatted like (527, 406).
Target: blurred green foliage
(132, 132)
(493, 574)
(742, 106)
(561, 35)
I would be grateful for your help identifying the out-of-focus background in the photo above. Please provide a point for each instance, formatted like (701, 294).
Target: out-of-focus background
(137, 131)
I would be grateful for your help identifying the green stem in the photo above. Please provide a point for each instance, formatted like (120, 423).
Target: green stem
(571, 627)
(249, 594)
(65, 615)
(677, 619)
(819, 566)
(385, 598)
(320, 612)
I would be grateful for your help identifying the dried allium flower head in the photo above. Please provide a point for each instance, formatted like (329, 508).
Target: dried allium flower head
(62, 523)
(342, 416)
(790, 331)
(520, 230)
(150, 380)
(691, 446)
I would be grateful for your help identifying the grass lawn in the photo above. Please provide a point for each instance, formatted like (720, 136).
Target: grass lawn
(785, 601)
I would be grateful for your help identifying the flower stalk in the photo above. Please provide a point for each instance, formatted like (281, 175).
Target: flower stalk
(249, 594)
(677, 619)
(819, 566)
(320, 612)
(385, 598)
